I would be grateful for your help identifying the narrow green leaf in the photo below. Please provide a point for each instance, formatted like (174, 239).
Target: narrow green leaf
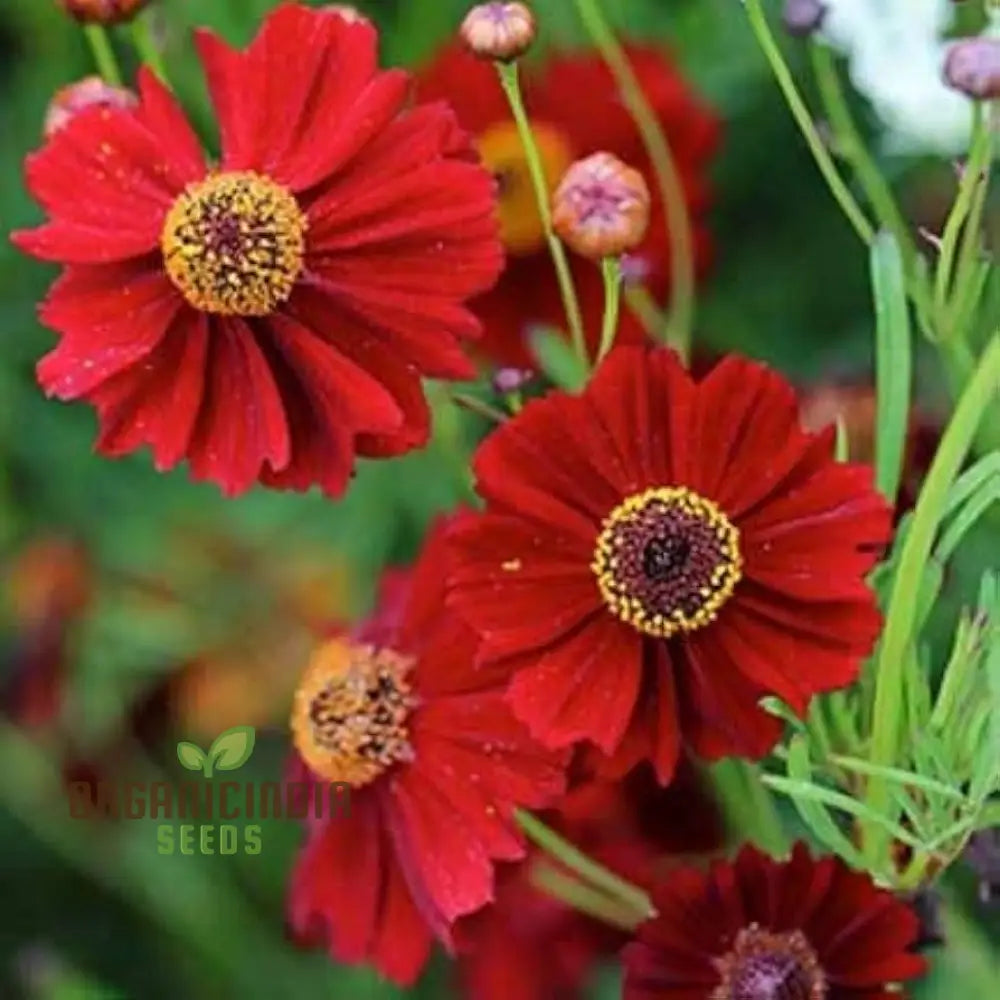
(893, 339)
(557, 359)
(814, 814)
(898, 776)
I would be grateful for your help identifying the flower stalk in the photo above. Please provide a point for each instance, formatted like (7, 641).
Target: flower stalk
(510, 81)
(611, 269)
(104, 55)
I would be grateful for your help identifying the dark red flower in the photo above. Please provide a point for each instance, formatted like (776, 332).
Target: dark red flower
(437, 762)
(758, 929)
(271, 316)
(534, 947)
(658, 554)
(575, 111)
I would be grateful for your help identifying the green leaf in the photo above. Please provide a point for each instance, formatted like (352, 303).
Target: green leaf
(558, 360)
(232, 749)
(191, 755)
(893, 353)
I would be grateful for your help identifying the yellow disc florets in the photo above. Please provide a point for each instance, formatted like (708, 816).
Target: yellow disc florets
(350, 712)
(667, 560)
(234, 244)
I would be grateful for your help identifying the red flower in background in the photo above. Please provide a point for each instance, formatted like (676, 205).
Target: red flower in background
(437, 762)
(575, 110)
(658, 554)
(530, 945)
(271, 316)
(758, 929)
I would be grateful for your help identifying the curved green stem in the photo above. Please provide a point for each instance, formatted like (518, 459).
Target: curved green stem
(510, 81)
(852, 147)
(783, 76)
(142, 38)
(104, 54)
(611, 269)
(680, 312)
(589, 870)
(897, 637)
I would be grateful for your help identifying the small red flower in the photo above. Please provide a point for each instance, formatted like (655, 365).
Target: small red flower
(437, 762)
(270, 316)
(575, 111)
(658, 554)
(758, 929)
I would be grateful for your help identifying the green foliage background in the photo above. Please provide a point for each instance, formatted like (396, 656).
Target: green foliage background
(790, 286)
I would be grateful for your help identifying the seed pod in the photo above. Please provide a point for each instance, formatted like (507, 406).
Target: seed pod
(498, 31)
(102, 11)
(601, 207)
(90, 92)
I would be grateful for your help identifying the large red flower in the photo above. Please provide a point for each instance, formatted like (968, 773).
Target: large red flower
(437, 762)
(575, 110)
(270, 316)
(757, 929)
(658, 554)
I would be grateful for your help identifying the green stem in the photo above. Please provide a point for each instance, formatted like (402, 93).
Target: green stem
(611, 270)
(897, 637)
(104, 54)
(852, 147)
(979, 154)
(510, 81)
(680, 312)
(783, 76)
(584, 898)
(748, 805)
(589, 870)
(643, 307)
(142, 38)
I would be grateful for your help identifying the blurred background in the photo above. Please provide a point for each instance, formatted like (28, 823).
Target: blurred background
(137, 609)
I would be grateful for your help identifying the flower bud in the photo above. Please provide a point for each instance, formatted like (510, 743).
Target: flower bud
(508, 380)
(973, 68)
(499, 31)
(89, 92)
(102, 11)
(601, 207)
(803, 17)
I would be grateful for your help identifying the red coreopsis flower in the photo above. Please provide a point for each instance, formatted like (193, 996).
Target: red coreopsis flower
(575, 110)
(436, 761)
(268, 317)
(758, 929)
(658, 554)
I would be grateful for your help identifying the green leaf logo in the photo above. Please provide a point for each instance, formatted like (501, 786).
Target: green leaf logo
(229, 750)
(191, 756)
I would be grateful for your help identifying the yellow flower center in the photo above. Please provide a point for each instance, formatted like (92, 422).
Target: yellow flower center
(234, 244)
(667, 560)
(500, 147)
(350, 711)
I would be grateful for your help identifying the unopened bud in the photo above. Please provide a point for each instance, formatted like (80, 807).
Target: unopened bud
(803, 17)
(499, 31)
(90, 92)
(601, 207)
(508, 380)
(102, 11)
(973, 68)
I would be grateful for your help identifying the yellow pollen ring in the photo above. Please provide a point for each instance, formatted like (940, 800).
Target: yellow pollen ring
(350, 711)
(713, 593)
(234, 244)
(500, 147)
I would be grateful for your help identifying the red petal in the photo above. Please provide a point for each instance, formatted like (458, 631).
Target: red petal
(583, 688)
(164, 117)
